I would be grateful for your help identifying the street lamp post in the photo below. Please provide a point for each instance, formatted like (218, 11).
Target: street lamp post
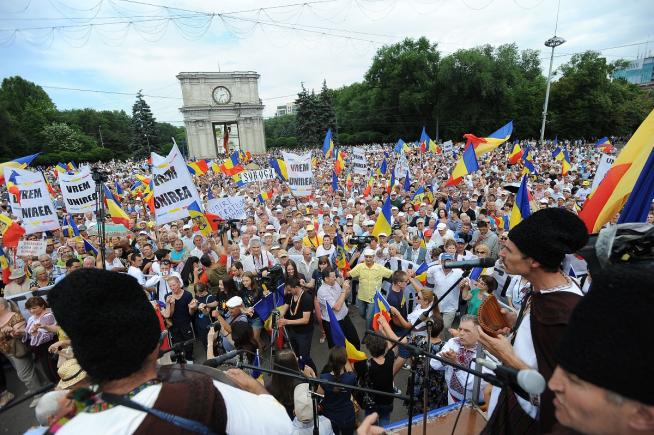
(553, 42)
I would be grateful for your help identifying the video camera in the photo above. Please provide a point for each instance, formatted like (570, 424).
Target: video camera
(360, 241)
(275, 274)
(227, 225)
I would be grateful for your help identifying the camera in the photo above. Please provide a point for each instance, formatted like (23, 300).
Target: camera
(98, 175)
(360, 241)
(275, 274)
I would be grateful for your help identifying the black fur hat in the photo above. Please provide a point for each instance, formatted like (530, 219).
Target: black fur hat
(606, 340)
(111, 324)
(549, 234)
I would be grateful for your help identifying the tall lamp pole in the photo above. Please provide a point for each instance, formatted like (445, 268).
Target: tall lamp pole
(553, 42)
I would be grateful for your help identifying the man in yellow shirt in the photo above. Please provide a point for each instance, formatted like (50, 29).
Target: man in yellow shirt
(370, 275)
(312, 239)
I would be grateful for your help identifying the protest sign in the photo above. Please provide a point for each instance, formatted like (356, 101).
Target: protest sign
(300, 177)
(447, 146)
(110, 230)
(173, 187)
(36, 210)
(401, 167)
(258, 175)
(359, 161)
(227, 208)
(602, 168)
(31, 248)
(78, 190)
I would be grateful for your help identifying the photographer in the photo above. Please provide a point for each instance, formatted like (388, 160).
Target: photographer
(235, 313)
(258, 258)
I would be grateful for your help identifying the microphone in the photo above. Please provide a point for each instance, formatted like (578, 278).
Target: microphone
(470, 264)
(215, 362)
(528, 381)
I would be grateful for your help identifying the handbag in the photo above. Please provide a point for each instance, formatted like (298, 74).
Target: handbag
(18, 348)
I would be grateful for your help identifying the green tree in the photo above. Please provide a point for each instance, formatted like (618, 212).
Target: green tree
(58, 137)
(279, 127)
(25, 109)
(144, 129)
(325, 103)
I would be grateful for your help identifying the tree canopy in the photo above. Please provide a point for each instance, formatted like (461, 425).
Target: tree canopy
(411, 84)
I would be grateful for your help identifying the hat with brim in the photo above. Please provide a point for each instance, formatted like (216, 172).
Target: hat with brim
(16, 273)
(70, 374)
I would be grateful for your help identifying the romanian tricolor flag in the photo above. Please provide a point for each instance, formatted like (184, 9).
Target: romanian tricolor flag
(237, 179)
(199, 218)
(516, 154)
(118, 215)
(11, 232)
(383, 224)
(521, 209)
(328, 145)
(565, 163)
(20, 163)
(419, 196)
(381, 307)
(421, 273)
(339, 164)
(424, 140)
(4, 265)
(264, 196)
(557, 154)
(467, 164)
(334, 181)
(279, 165)
(70, 227)
(61, 168)
(71, 166)
(120, 192)
(622, 178)
(232, 165)
(528, 162)
(484, 145)
(604, 144)
(199, 167)
(88, 247)
(341, 256)
(339, 340)
(12, 186)
(401, 146)
(368, 189)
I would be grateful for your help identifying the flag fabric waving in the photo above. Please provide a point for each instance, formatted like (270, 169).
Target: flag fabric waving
(612, 193)
(483, 145)
(328, 145)
(20, 163)
(12, 186)
(565, 163)
(199, 167)
(604, 144)
(118, 215)
(88, 247)
(340, 256)
(467, 164)
(516, 154)
(383, 224)
(334, 181)
(381, 307)
(557, 154)
(521, 209)
(339, 340)
(339, 164)
(199, 218)
(279, 165)
(421, 272)
(4, 264)
(11, 232)
(232, 165)
(638, 205)
(528, 162)
(400, 146)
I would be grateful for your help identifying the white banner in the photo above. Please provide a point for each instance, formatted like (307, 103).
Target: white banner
(602, 168)
(23, 176)
(78, 190)
(36, 210)
(31, 248)
(359, 161)
(173, 187)
(227, 208)
(300, 176)
(401, 167)
(258, 175)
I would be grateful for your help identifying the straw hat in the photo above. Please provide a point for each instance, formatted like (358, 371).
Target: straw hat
(70, 373)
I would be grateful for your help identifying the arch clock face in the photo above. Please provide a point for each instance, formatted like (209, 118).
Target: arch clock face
(221, 95)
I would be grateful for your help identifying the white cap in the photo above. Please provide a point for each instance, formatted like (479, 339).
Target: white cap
(187, 226)
(382, 235)
(302, 403)
(368, 252)
(368, 222)
(441, 226)
(270, 227)
(234, 301)
(349, 217)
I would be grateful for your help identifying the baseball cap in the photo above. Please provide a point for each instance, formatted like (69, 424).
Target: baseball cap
(441, 226)
(368, 252)
(234, 301)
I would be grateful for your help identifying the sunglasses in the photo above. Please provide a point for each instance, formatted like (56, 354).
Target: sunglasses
(504, 238)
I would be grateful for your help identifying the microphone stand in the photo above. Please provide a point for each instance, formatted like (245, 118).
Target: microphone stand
(425, 382)
(314, 383)
(494, 380)
(433, 306)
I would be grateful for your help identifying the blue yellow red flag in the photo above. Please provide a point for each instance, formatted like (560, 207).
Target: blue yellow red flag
(339, 340)
(521, 209)
(383, 224)
(328, 145)
(467, 164)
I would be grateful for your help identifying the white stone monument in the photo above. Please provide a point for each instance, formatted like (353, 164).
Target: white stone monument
(222, 110)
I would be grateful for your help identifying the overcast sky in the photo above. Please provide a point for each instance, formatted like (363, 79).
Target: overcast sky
(149, 45)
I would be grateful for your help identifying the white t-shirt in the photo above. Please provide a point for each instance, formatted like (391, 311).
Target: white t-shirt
(247, 414)
(442, 283)
(136, 273)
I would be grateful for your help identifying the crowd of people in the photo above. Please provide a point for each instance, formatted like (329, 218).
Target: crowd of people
(207, 288)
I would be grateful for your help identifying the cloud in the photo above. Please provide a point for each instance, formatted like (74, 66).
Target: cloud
(126, 58)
